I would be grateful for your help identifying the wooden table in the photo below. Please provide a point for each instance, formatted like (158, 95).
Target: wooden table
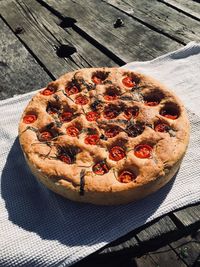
(40, 40)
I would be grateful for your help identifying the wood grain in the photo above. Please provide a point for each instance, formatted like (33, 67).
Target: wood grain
(19, 72)
(133, 41)
(160, 228)
(188, 7)
(188, 248)
(189, 216)
(42, 36)
(163, 257)
(162, 18)
(121, 244)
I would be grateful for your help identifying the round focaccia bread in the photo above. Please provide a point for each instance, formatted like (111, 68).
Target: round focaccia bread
(104, 135)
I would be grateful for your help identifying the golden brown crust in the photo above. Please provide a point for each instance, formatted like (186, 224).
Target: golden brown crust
(154, 103)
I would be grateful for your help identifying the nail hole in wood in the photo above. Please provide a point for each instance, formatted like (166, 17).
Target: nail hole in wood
(118, 23)
(19, 30)
(67, 22)
(65, 51)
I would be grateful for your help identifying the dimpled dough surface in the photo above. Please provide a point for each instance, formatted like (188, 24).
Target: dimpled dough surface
(104, 135)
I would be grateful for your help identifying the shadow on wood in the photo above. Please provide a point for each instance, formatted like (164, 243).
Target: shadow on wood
(67, 22)
(65, 51)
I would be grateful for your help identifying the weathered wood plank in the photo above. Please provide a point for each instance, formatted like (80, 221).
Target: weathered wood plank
(163, 257)
(189, 7)
(164, 19)
(188, 248)
(19, 72)
(189, 216)
(133, 41)
(157, 230)
(42, 35)
(120, 245)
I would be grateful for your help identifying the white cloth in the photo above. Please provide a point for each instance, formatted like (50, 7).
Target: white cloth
(40, 228)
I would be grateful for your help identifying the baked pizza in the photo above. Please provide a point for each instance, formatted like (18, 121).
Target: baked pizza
(104, 135)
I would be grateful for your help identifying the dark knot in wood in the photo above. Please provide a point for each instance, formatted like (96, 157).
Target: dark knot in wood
(118, 23)
(19, 30)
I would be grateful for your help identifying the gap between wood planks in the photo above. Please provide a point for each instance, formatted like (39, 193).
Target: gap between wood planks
(134, 41)
(141, 241)
(161, 18)
(181, 253)
(145, 23)
(42, 35)
(182, 6)
(84, 34)
(29, 50)
(19, 71)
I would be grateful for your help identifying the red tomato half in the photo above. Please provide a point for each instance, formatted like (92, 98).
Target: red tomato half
(126, 177)
(92, 139)
(128, 81)
(65, 158)
(31, 118)
(71, 90)
(72, 131)
(143, 151)
(66, 116)
(81, 100)
(45, 136)
(131, 112)
(92, 116)
(117, 153)
(161, 127)
(100, 168)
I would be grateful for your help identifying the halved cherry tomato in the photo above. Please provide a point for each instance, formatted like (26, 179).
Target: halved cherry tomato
(169, 116)
(72, 131)
(126, 177)
(128, 81)
(143, 151)
(66, 116)
(71, 90)
(161, 127)
(110, 114)
(110, 97)
(112, 132)
(45, 136)
(65, 159)
(131, 112)
(92, 116)
(96, 80)
(48, 91)
(31, 118)
(151, 103)
(99, 76)
(92, 139)
(116, 153)
(100, 168)
(169, 113)
(81, 100)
